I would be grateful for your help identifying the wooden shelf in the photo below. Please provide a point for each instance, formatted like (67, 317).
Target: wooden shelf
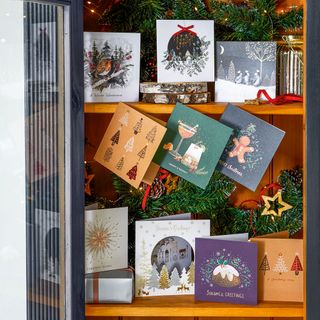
(208, 108)
(185, 306)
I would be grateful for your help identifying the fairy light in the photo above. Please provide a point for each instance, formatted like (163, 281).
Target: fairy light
(265, 11)
(195, 8)
(92, 10)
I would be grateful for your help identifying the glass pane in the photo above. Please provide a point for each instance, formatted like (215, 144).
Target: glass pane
(44, 75)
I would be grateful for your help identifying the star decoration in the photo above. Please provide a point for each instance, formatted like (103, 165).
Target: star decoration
(87, 179)
(171, 183)
(275, 212)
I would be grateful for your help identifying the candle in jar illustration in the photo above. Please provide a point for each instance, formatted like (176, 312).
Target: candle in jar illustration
(192, 156)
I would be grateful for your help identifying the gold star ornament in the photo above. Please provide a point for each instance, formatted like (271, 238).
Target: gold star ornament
(87, 180)
(275, 205)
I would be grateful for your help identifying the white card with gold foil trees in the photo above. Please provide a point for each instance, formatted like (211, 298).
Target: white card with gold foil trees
(165, 256)
(106, 239)
(129, 144)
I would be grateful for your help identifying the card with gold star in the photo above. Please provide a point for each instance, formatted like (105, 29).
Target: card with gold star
(251, 147)
(106, 239)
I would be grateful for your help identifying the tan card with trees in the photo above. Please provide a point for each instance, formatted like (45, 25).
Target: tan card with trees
(280, 269)
(129, 144)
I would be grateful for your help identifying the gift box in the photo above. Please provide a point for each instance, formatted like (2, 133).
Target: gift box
(115, 286)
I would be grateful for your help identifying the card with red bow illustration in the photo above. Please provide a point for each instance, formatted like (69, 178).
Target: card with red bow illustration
(185, 50)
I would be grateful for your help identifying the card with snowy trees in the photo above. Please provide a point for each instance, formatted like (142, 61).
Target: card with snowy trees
(250, 148)
(226, 271)
(185, 50)
(280, 269)
(111, 66)
(242, 68)
(129, 144)
(164, 260)
(192, 145)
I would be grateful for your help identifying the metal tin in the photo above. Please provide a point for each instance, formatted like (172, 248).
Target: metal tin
(290, 65)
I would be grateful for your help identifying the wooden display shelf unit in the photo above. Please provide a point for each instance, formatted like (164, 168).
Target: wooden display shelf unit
(207, 108)
(185, 306)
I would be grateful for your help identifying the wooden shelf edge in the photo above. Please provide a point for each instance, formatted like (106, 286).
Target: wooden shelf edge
(207, 108)
(187, 307)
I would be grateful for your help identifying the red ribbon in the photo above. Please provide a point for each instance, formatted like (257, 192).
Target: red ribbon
(267, 187)
(280, 99)
(164, 175)
(251, 214)
(183, 29)
(95, 287)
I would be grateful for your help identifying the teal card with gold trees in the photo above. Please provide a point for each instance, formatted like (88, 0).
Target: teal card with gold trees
(192, 145)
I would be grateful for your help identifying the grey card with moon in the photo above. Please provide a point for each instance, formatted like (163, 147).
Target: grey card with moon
(242, 68)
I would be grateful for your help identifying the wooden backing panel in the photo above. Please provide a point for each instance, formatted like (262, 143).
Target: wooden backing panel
(290, 152)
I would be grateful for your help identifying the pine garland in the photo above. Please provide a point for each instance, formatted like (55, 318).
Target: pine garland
(214, 203)
(255, 20)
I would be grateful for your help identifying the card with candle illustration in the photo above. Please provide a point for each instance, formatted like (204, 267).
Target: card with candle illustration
(250, 149)
(192, 145)
(129, 144)
(226, 271)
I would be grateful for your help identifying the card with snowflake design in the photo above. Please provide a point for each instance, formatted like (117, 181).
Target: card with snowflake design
(106, 239)
(280, 269)
(165, 256)
(226, 271)
(111, 66)
(129, 144)
(185, 50)
(251, 147)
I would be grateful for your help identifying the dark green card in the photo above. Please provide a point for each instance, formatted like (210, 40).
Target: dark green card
(192, 146)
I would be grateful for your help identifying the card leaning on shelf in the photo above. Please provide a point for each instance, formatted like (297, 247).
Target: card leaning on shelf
(242, 68)
(129, 144)
(165, 256)
(251, 148)
(226, 270)
(280, 265)
(185, 50)
(111, 66)
(106, 239)
(192, 145)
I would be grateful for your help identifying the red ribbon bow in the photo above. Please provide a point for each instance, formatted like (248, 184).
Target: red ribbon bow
(183, 29)
(280, 99)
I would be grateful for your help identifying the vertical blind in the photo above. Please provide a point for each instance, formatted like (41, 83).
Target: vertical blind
(44, 74)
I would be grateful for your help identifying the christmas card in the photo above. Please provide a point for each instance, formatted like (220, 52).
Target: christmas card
(129, 144)
(250, 149)
(185, 50)
(280, 269)
(165, 256)
(106, 239)
(226, 271)
(192, 145)
(242, 68)
(111, 66)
